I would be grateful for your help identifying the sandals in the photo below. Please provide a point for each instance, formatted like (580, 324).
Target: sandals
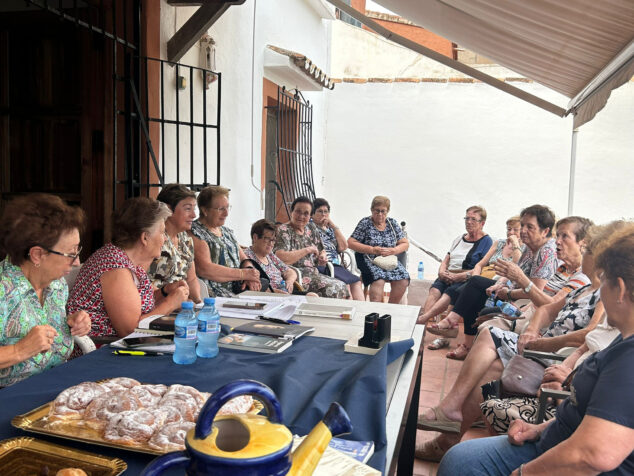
(438, 344)
(459, 353)
(430, 451)
(442, 331)
(440, 423)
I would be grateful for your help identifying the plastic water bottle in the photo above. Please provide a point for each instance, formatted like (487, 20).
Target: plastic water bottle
(283, 285)
(208, 329)
(491, 301)
(185, 327)
(508, 309)
(421, 269)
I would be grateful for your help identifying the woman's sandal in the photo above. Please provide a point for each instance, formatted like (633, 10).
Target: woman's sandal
(440, 423)
(429, 451)
(459, 353)
(442, 331)
(438, 344)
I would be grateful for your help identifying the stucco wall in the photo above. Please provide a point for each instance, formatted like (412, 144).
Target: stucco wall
(437, 148)
(240, 44)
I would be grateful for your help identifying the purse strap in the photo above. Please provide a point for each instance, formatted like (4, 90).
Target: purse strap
(537, 359)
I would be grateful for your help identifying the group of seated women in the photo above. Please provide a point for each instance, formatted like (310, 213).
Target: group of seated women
(159, 256)
(587, 304)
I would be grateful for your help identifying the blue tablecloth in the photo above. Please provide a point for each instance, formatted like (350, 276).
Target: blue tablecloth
(307, 377)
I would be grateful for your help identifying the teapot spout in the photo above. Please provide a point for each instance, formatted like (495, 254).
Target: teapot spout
(307, 455)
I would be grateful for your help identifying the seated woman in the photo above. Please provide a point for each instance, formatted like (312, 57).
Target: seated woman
(217, 253)
(281, 277)
(464, 254)
(176, 267)
(334, 242)
(594, 429)
(299, 244)
(538, 266)
(378, 235)
(567, 321)
(39, 235)
(113, 285)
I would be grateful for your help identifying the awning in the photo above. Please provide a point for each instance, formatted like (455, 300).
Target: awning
(581, 48)
(294, 70)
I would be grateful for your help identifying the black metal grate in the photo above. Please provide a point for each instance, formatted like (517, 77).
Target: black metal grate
(294, 147)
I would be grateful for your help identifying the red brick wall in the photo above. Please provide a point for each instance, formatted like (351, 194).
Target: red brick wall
(421, 36)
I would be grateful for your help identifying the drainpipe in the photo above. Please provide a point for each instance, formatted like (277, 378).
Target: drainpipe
(571, 178)
(252, 109)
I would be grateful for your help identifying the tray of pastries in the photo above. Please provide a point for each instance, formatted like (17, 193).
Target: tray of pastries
(123, 413)
(27, 456)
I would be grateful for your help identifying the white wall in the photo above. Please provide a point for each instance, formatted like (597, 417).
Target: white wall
(240, 44)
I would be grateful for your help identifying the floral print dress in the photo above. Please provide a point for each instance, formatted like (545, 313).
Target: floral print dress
(223, 250)
(20, 311)
(274, 269)
(175, 261)
(312, 280)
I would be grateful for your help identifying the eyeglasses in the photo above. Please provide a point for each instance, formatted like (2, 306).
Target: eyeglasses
(380, 212)
(322, 212)
(221, 209)
(471, 219)
(73, 256)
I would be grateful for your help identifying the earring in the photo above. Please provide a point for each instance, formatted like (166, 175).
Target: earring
(37, 265)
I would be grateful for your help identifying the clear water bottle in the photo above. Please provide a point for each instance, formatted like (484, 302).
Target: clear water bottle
(283, 286)
(508, 309)
(421, 270)
(491, 301)
(185, 327)
(208, 329)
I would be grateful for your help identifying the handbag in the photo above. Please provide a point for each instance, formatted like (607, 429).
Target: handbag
(388, 263)
(522, 377)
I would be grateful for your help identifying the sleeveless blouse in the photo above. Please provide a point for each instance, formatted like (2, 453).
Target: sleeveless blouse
(87, 293)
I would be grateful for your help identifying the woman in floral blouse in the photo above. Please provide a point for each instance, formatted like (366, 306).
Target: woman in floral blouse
(39, 234)
(299, 244)
(176, 267)
(217, 253)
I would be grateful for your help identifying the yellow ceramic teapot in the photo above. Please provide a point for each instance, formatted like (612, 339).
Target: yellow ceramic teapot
(253, 445)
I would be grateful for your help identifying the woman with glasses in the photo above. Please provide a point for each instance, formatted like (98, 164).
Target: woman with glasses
(217, 253)
(175, 267)
(334, 242)
(464, 254)
(378, 235)
(113, 285)
(39, 240)
(299, 244)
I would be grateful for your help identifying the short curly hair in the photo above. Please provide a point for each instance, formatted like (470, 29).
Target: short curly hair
(39, 219)
(136, 216)
(544, 216)
(615, 256)
(174, 193)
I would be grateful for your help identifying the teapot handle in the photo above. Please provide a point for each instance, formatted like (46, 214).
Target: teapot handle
(158, 465)
(232, 390)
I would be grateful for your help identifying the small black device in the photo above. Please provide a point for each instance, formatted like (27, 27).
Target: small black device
(377, 330)
(132, 342)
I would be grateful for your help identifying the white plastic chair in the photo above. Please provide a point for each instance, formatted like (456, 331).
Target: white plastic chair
(85, 343)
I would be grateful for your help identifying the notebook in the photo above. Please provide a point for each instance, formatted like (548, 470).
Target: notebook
(325, 310)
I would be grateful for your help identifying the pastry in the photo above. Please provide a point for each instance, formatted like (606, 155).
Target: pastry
(101, 410)
(120, 383)
(149, 395)
(71, 472)
(133, 427)
(171, 437)
(236, 406)
(71, 403)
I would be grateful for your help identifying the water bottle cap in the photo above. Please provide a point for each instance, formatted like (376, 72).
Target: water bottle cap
(209, 301)
(499, 303)
(187, 305)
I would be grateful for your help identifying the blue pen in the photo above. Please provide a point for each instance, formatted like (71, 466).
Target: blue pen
(290, 321)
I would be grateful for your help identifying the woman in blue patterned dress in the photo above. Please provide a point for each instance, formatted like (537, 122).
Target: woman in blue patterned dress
(39, 235)
(217, 253)
(378, 235)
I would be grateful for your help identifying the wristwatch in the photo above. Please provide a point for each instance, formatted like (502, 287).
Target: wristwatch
(469, 274)
(527, 289)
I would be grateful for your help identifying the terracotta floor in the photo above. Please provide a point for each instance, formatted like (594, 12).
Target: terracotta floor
(438, 376)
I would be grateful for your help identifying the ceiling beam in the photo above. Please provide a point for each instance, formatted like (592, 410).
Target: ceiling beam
(197, 26)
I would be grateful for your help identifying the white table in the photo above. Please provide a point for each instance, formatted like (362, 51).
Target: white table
(403, 375)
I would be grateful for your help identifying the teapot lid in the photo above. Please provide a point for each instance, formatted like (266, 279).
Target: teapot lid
(242, 437)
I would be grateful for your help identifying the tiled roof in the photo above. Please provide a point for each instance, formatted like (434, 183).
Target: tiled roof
(309, 68)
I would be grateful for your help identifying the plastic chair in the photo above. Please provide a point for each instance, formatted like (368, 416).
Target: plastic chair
(85, 343)
(204, 290)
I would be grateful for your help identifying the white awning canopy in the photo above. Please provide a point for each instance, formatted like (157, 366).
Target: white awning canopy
(581, 48)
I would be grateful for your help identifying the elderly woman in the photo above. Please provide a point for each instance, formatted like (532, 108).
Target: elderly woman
(334, 243)
(594, 429)
(113, 285)
(538, 266)
(464, 254)
(299, 244)
(175, 267)
(378, 235)
(566, 321)
(216, 250)
(39, 234)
